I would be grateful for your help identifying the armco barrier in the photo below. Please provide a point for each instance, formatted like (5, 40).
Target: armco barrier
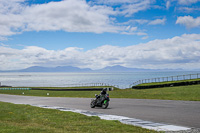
(167, 85)
(74, 89)
(15, 88)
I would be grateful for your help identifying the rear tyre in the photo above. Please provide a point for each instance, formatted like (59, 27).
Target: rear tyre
(105, 105)
(92, 104)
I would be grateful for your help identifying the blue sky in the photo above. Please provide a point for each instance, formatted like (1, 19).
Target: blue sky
(151, 34)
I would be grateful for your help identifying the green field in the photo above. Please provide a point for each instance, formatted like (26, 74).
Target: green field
(27, 119)
(188, 93)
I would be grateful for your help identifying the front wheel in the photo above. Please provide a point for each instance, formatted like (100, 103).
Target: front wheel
(105, 105)
(92, 104)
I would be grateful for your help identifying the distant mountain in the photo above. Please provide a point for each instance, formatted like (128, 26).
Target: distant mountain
(55, 69)
(116, 68)
(119, 68)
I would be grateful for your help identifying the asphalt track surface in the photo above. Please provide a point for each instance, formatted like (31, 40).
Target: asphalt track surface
(180, 113)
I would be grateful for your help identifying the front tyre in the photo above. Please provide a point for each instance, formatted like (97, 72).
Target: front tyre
(92, 104)
(105, 105)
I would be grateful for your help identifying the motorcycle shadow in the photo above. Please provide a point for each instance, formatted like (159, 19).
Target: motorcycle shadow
(102, 108)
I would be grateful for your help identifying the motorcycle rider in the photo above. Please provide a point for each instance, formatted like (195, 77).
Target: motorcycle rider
(103, 92)
(101, 96)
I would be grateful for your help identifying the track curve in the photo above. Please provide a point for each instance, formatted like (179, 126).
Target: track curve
(182, 113)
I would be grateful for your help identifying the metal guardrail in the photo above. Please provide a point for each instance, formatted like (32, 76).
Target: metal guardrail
(90, 85)
(167, 84)
(167, 79)
(75, 89)
(86, 85)
(76, 85)
(15, 88)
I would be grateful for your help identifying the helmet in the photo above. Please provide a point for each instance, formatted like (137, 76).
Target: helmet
(104, 89)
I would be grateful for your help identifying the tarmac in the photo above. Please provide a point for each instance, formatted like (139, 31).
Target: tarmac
(163, 113)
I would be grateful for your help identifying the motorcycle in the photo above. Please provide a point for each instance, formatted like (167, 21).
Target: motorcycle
(100, 101)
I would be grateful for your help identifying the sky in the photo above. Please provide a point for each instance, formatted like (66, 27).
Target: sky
(150, 34)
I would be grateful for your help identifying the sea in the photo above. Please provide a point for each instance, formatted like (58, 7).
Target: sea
(121, 80)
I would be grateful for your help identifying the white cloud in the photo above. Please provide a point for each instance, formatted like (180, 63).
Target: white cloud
(177, 52)
(188, 9)
(136, 31)
(17, 17)
(149, 22)
(158, 21)
(168, 3)
(65, 16)
(119, 2)
(133, 31)
(145, 37)
(187, 2)
(2, 38)
(10, 21)
(134, 7)
(188, 21)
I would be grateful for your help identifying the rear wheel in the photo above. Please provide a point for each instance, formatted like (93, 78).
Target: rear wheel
(105, 105)
(92, 104)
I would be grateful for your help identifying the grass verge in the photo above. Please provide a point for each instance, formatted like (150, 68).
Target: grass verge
(187, 93)
(24, 118)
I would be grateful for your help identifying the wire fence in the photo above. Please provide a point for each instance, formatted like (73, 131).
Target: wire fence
(87, 85)
(15, 88)
(73, 85)
(167, 79)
